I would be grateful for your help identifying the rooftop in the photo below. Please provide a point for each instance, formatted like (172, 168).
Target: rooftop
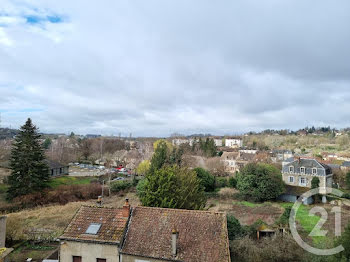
(96, 224)
(202, 235)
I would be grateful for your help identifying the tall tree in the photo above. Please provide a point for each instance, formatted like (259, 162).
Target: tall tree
(159, 157)
(173, 187)
(29, 171)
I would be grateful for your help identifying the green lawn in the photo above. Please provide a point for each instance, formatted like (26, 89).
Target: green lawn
(3, 188)
(307, 222)
(68, 180)
(252, 204)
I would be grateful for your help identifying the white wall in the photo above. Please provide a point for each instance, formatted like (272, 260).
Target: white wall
(88, 251)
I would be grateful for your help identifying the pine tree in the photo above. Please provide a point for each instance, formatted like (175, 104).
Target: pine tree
(29, 171)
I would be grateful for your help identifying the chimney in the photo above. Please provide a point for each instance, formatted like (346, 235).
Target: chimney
(174, 236)
(2, 231)
(126, 208)
(100, 201)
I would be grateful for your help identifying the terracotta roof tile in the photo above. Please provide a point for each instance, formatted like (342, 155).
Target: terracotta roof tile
(202, 235)
(112, 225)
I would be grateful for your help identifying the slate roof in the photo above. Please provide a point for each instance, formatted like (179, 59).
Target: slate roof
(202, 235)
(309, 164)
(112, 225)
(346, 164)
(53, 164)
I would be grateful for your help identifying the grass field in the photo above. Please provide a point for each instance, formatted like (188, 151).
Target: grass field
(68, 180)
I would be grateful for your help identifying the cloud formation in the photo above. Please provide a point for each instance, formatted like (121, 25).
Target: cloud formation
(158, 67)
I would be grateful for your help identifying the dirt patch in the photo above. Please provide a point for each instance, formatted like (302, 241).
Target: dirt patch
(248, 213)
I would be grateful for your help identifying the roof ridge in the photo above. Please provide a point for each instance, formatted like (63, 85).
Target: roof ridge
(98, 207)
(183, 210)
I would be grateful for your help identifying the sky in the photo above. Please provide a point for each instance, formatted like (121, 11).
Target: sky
(153, 68)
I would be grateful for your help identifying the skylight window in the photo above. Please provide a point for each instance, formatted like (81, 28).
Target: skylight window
(93, 229)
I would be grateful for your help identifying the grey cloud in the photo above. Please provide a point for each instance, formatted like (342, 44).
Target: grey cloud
(156, 67)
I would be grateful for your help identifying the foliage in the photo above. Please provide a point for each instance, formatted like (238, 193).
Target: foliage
(207, 180)
(284, 219)
(47, 143)
(347, 179)
(276, 249)
(344, 240)
(208, 147)
(61, 195)
(140, 188)
(156, 144)
(173, 187)
(160, 157)
(29, 171)
(234, 228)
(260, 182)
(143, 167)
(232, 182)
(120, 185)
(315, 182)
(165, 155)
(221, 182)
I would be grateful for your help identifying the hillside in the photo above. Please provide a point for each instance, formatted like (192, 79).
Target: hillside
(7, 133)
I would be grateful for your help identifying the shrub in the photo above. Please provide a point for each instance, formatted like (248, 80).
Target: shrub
(260, 182)
(61, 195)
(120, 185)
(221, 182)
(207, 180)
(280, 248)
(140, 188)
(232, 182)
(234, 228)
(173, 187)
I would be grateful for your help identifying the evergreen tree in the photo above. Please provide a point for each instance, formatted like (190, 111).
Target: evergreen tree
(160, 157)
(172, 187)
(47, 143)
(29, 171)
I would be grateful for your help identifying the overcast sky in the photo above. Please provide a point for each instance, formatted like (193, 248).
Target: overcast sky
(157, 67)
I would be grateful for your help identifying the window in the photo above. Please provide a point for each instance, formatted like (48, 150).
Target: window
(93, 229)
(302, 170)
(76, 259)
(303, 181)
(314, 171)
(101, 260)
(291, 169)
(291, 179)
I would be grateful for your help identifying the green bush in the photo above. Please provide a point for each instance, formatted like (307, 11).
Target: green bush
(140, 188)
(120, 185)
(232, 182)
(207, 180)
(234, 228)
(221, 182)
(260, 182)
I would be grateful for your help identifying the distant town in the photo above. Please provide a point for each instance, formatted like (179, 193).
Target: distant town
(110, 194)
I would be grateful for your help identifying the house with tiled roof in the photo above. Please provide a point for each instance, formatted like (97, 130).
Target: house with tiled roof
(145, 234)
(95, 234)
(161, 234)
